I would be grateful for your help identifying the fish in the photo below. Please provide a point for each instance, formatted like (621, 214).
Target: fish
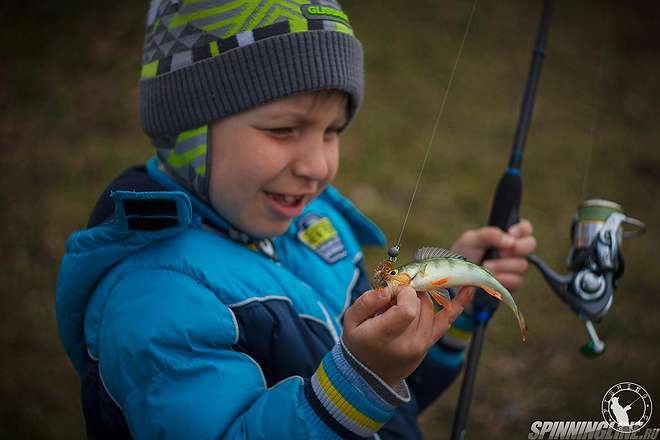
(434, 270)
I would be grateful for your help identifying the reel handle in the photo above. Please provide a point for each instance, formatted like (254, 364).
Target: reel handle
(587, 293)
(595, 347)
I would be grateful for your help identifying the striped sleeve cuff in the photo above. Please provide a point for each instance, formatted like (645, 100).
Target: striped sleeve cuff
(349, 398)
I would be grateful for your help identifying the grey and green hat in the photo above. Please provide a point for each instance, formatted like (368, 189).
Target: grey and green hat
(208, 59)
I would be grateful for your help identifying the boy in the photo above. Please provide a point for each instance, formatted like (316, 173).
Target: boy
(220, 291)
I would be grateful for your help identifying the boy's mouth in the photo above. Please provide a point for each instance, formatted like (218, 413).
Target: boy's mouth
(285, 199)
(288, 205)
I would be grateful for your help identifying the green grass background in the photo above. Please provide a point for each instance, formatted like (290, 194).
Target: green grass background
(68, 124)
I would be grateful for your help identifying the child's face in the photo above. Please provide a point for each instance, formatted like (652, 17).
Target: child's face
(270, 161)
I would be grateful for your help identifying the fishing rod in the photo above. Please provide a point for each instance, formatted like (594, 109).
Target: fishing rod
(595, 261)
(504, 213)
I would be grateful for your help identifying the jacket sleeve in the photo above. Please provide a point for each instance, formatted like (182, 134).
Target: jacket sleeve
(166, 358)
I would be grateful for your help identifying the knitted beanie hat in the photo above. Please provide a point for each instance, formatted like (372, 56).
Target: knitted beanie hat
(208, 59)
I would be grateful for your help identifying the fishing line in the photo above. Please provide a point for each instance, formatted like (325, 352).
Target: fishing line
(435, 125)
(594, 123)
(631, 403)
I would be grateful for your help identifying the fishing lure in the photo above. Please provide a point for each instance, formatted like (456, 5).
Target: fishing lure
(434, 270)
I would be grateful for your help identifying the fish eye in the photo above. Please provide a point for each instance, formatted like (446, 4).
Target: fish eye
(393, 272)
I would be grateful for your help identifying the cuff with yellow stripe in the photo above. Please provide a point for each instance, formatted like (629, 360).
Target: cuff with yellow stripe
(349, 398)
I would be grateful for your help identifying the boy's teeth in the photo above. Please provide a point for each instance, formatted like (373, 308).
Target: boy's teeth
(284, 198)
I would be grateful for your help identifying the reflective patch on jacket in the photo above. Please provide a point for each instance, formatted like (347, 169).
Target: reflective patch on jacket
(320, 236)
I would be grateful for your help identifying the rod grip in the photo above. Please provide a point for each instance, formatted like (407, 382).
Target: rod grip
(506, 203)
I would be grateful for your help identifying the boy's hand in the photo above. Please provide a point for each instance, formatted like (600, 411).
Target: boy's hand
(393, 343)
(512, 247)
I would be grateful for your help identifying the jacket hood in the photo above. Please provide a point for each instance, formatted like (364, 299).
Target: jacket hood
(90, 253)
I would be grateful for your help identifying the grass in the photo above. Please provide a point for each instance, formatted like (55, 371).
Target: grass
(69, 124)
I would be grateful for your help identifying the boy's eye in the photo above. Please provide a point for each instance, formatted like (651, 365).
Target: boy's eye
(331, 134)
(280, 131)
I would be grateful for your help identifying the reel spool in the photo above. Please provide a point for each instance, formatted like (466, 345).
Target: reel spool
(596, 263)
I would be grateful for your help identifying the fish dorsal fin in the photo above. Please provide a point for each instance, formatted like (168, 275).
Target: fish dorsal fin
(426, 253)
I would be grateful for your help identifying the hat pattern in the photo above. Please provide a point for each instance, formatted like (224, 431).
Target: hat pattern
(181, 33)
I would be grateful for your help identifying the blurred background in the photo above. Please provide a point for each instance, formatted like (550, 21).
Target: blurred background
(68, 125)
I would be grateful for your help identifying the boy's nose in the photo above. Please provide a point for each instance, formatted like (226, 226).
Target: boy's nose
(313, 161)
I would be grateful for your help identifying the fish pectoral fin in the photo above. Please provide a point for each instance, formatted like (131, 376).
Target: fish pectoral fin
(441, 296)
(444, 292)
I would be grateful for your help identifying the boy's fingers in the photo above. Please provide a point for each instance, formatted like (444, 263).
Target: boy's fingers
(366, 306)
(406, 298)
(525, 246)
(521, 229)
(489, 237)
(398, 318)
(464, 296)
(510, 265)
(425, 314)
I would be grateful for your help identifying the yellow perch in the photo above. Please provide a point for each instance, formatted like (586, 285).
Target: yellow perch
(433, 270)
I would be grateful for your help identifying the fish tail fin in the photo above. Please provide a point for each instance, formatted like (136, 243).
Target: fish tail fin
(522, 324)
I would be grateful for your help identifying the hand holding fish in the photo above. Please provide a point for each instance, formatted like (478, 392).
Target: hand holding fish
(434, 270)
(391, 329)
(513, 247)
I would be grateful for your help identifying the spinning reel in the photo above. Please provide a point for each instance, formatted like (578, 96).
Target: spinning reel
(595, 262)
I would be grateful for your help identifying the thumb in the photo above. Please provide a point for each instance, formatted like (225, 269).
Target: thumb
(366, 306)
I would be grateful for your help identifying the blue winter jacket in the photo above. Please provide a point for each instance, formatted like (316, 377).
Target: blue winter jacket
(179, 332)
